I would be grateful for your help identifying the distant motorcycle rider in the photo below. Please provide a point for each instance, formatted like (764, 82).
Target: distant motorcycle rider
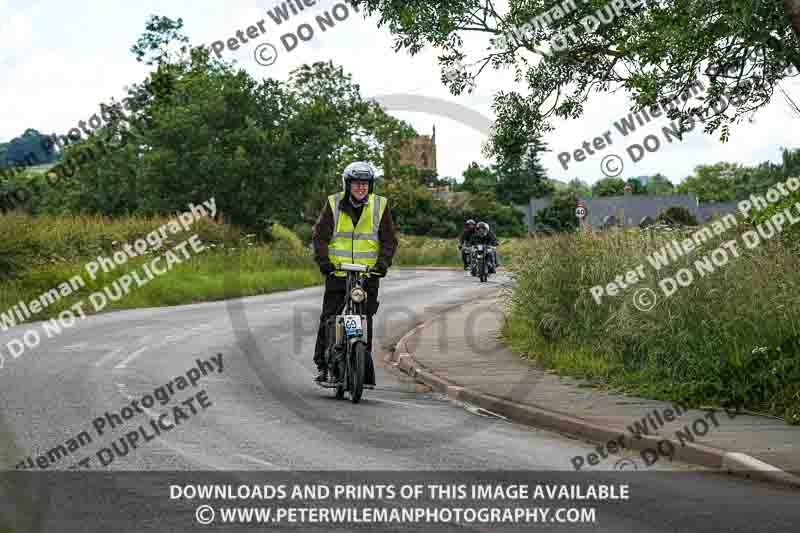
(484, 235)
(355, 226)
(463, 243)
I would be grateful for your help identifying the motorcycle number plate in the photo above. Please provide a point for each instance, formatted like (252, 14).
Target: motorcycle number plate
(352, 325)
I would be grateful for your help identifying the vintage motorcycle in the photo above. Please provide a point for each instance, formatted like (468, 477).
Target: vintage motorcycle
(480, 261)
(346, 337)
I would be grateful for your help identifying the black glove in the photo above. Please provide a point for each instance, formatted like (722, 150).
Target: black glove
(380, 269)
(327, 269)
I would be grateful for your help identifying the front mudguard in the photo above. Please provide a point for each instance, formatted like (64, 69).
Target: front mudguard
(364, 337)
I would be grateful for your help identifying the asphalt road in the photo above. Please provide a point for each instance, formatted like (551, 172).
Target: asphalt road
(261, 412)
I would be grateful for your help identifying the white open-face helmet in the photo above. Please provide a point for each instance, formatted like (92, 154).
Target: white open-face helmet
(358, 170)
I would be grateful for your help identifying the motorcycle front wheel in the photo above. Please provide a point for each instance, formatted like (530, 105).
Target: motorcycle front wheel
(357, 369)
(341, 377)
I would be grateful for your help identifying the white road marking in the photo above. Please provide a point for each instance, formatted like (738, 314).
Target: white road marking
(107, 357)
(404, 404)
(259, 461)
(75, 347)
(131, 357)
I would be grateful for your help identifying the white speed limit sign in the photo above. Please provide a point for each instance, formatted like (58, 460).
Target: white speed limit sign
(580, 212)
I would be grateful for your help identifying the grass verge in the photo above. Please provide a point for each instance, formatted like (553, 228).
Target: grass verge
(40, 253)
(730, 338)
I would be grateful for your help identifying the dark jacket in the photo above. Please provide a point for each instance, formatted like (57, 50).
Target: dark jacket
(323, 233)
(489, 239)
(466, 236)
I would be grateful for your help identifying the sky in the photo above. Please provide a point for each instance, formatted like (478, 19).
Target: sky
(59, 61)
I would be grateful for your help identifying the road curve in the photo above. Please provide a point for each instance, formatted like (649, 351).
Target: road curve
(256, 408)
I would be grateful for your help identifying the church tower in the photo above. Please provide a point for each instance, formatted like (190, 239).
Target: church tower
(420, 152)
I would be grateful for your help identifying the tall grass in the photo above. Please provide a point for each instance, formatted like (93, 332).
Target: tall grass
(40, 253)
(730, 338)
(414, 251)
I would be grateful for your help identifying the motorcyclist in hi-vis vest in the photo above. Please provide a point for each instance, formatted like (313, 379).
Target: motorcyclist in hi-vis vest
(355, 226)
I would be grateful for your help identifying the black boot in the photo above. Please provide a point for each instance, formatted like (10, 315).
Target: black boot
(322, 376)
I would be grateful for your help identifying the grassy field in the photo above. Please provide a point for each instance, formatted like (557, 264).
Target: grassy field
(730, 338)
(416, 251)
(40, 253)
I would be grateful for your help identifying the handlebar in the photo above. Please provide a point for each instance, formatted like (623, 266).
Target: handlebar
(360, 269)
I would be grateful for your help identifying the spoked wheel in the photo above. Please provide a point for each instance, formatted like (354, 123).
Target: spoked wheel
(357, 369)
(341, 376)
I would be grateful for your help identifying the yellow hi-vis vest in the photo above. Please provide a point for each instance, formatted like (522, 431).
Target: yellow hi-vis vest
(359, 244)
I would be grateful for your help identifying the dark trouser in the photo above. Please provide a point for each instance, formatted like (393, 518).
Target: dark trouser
(464, 256)
(335, 292)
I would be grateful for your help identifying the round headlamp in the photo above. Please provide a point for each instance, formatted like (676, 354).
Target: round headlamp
(358, 295)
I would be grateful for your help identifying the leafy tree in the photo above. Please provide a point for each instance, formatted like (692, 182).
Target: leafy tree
(416, 212)
(162, 42)
(636, 186)
(579, 188)
(559, 215)
(197, 128)
(756, 180)
(609, 187)
(659, 184)
(713, 182)
(479, 179)
(522, 178)
(655, 53)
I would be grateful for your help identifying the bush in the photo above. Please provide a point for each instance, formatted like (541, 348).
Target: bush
(791, 232)
(677, 214)
(729, 338)
(286, 245)
(305, 232)
(559, 216)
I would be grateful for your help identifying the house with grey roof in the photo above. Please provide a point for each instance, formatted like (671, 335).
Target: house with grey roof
(631, 209)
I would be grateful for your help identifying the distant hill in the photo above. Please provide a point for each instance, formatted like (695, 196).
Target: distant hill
(26, 150)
